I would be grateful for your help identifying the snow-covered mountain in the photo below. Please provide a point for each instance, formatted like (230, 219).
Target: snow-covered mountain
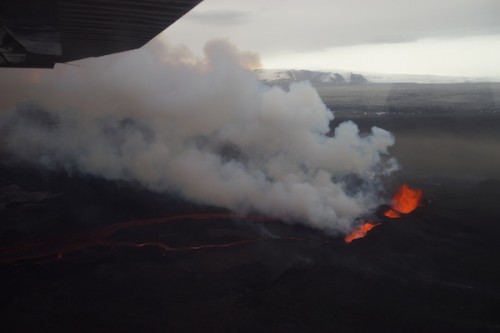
(317, 78)
(328, 78)
(424, 78)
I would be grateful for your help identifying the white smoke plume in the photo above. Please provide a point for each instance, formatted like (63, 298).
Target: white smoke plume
(206, 129)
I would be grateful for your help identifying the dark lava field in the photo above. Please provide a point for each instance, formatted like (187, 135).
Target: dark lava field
(83, 254)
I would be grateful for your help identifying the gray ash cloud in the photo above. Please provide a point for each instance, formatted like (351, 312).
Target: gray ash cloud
(206, 129)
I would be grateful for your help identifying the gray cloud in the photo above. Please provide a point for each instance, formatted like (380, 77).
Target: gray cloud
(285, 26)
(220, 17)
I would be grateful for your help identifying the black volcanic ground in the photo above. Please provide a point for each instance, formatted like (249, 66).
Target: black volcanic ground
(435, 270)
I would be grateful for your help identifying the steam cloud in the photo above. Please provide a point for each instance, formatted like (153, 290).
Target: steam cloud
(206, 129)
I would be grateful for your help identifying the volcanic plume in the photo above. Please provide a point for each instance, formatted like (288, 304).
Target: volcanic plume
(205, 129)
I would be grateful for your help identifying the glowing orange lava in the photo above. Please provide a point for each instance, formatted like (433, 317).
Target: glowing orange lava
(404, 201)
(391, 213)
(360, 232)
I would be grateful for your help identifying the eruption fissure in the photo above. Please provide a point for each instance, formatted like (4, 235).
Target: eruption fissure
(404, 201)
(360, 231)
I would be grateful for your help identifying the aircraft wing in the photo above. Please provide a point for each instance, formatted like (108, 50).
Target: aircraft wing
(40, 33)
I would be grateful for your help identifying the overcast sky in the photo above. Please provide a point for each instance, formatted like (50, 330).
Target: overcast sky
(448, 37)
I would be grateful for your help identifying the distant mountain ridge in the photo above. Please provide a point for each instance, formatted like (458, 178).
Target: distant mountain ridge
(284, 77)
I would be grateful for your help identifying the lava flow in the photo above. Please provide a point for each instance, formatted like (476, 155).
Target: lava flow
(404, 201)
(59, 246)
(360, 232)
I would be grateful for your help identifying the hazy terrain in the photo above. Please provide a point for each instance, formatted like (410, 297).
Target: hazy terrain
(83, 254)
(450, 130)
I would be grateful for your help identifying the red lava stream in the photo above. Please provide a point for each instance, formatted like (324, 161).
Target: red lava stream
(404, 202)
(63, 244)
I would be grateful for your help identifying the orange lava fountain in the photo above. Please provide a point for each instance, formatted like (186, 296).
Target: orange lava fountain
(404, 201)
(360, 232)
